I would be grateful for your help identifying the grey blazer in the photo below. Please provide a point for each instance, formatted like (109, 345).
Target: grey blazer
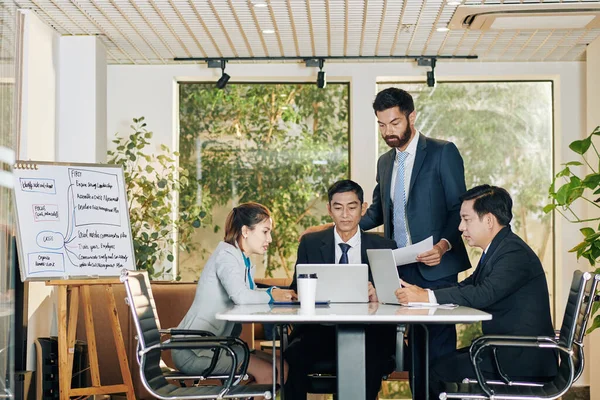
(223, 283)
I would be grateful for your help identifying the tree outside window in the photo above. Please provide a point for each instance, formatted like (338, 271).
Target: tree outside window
(281, 145)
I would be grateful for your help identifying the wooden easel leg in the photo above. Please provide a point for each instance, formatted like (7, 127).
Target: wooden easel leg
(72, 328)
(120, 346)
(90, 335)
(63, 362)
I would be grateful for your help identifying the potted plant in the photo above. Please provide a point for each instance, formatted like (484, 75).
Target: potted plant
(153, 183)
(567, 187)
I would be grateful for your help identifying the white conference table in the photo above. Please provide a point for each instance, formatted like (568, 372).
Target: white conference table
(351, 320)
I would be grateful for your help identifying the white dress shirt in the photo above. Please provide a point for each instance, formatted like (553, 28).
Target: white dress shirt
(354, 256)
(432, 298)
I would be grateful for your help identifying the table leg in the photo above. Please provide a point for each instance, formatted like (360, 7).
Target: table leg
(426, 369)
(274, 335)
(420, 387)
(282, 345)
(351, 362)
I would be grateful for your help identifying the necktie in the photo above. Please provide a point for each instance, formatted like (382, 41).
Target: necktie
(400, 233)
(344, 258)
(482, 258)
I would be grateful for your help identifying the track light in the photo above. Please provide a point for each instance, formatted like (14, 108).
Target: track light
(222, 82)
(428, 62)
(321, 76)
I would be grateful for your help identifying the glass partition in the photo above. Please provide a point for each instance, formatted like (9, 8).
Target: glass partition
(7, 145)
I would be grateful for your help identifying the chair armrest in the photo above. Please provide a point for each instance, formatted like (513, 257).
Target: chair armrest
(486, 338)
(543, 343)
(195, 345)
(222, 340)
(175, 331)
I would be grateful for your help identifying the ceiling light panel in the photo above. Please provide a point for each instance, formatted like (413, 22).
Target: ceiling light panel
(337, 25)
(299, 14)
(234, 28)
(370, 33)
(156, 31)
(355, 23)
(284, 28)
(390, 26)
(318, 16)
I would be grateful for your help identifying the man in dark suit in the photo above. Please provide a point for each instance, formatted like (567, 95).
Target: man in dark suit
(312, 348)
(419, 182)
(509, 283)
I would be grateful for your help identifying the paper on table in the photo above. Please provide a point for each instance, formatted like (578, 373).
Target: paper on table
(429, 305)
(408, 254)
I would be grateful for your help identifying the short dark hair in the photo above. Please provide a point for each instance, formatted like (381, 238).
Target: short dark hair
(248, 214)
(394, 97)
(490, 199)
(344, 186)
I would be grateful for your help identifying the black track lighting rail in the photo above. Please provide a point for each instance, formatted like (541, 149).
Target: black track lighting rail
(326, 58)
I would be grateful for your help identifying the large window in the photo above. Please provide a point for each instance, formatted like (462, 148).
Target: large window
(281, 145)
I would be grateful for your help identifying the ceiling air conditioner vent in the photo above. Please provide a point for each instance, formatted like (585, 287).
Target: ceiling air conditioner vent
(527, 16)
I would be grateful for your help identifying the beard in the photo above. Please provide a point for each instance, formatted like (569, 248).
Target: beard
(395, 141)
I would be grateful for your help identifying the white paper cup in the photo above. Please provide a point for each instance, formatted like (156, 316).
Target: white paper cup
(307, 290)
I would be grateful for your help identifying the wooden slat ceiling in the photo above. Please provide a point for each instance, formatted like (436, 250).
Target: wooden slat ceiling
(157, 31)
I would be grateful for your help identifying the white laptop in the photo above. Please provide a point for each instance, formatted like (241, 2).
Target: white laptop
(339, 283)
(385, 274)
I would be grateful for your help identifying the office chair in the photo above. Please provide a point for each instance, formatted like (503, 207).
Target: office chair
(582, 297)
(150, 346)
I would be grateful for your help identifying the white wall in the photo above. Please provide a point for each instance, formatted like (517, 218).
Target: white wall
(593, 120)
(63, 119)
(38, 114)
(81, 106)
(38, 142)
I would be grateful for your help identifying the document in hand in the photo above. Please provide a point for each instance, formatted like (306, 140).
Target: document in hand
(408, 254)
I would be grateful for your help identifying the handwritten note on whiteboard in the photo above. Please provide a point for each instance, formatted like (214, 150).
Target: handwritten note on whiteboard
(73, 220)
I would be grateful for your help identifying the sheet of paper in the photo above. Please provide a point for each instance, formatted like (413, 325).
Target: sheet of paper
(429, 305)
(408, 254)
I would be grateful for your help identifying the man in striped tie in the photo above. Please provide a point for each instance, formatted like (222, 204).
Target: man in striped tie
(419, 182)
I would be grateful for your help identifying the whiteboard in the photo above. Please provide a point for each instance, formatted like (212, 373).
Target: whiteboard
(72, 220)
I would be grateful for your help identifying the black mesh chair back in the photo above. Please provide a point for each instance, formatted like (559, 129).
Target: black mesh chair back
(577, 314)
(579, 308)
(145, 319)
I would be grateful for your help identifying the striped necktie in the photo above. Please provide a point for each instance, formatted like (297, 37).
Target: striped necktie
(400, 231)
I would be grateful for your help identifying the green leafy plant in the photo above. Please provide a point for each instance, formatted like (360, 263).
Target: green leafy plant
(281, 145)
(153, 183)
(567, 187)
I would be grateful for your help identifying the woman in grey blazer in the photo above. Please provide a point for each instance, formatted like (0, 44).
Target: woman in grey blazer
(227, 279)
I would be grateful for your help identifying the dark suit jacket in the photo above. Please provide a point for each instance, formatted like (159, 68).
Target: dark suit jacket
(432, 208)
(319, 248)
(511, 285)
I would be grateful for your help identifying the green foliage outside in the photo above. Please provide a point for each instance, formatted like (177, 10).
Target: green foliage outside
(281, 145)
(152, 182)
(568, 187)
